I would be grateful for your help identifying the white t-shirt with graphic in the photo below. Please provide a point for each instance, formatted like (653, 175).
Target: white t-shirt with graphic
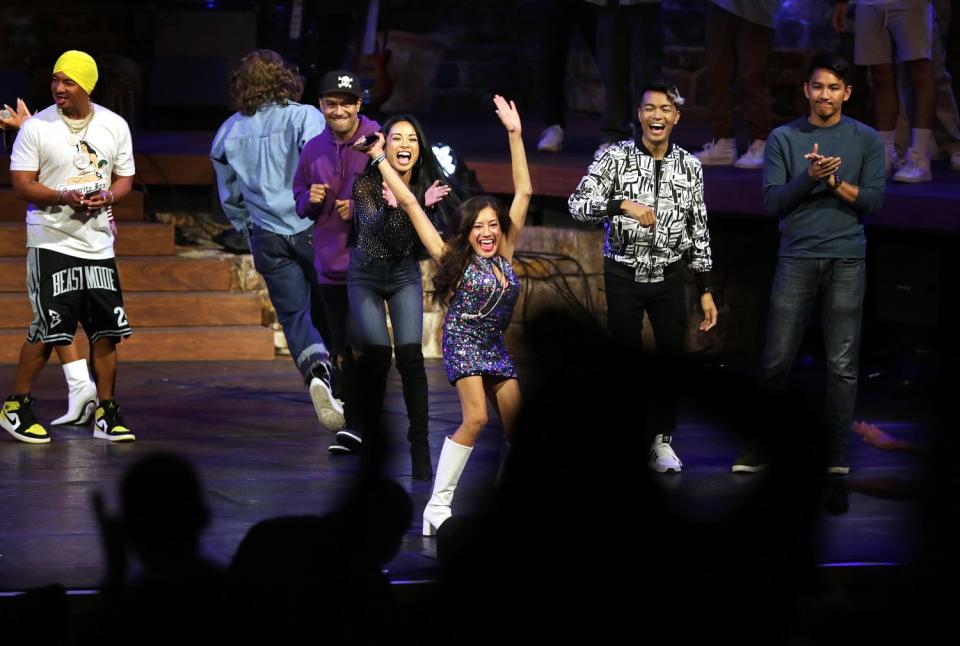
(83, 162)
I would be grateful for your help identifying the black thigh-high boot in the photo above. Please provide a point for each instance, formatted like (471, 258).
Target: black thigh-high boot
(414, 380)
(346, 387)
(371, 387)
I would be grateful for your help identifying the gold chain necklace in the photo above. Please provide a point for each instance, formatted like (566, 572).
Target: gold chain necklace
(77, 127)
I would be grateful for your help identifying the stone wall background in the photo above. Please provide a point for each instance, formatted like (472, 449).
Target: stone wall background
(450, 57)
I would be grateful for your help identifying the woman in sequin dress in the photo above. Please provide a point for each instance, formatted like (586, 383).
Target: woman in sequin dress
(384, 272)
(477, 283)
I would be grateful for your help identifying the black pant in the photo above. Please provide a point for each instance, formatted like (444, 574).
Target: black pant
(630, 55)
(558, 18)
(664, 303)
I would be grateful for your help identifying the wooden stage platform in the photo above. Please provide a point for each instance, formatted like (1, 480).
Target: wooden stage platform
(250, 430)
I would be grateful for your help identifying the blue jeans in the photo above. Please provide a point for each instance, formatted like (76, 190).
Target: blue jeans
(286, 264)
(839, 285)
(372, 283)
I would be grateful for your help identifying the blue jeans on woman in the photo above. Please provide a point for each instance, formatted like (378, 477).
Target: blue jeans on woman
(373, 283)
(286, 264)
(838, 283)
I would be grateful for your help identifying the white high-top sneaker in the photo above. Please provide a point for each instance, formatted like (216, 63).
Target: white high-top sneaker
(891, 161)
(753, 158)
(719, 152)
(662, 457)
(551, 140)
(915, 168)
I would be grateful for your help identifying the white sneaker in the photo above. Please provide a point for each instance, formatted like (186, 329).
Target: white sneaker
(753, 158)
(662, 457)
(890, 159)
(602, 148)
(915, 168)
(719, 152)
(329, 409)
(955, 160)
(551, 140)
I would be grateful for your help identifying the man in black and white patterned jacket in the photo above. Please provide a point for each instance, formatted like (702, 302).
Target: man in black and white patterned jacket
(648, 195)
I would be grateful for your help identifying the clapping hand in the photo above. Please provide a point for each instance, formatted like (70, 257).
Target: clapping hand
(389, 197)
(821, 167)
(435, 193)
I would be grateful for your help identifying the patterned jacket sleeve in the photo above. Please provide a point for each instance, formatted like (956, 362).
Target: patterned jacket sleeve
(591, 201)
(699, 257)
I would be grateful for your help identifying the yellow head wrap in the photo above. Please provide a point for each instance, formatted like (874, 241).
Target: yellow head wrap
(80, 67)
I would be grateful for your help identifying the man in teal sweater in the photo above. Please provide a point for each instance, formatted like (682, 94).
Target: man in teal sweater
(821, 174)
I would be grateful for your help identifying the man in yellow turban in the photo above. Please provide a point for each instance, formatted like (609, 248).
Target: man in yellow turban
(71, 162)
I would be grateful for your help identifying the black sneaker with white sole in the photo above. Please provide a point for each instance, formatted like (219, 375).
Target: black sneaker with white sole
(350, 439)
(18, 420)
(109, 425)
(750, 462)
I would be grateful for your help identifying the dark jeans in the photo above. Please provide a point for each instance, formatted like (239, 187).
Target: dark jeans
(557, 20)
(332, 315)
(732, 43)
(373, 283)
(629, 54)
(664, 303)
(838, 283)
(286, 264)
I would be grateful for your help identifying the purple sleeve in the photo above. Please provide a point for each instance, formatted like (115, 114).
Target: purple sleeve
(301, 188)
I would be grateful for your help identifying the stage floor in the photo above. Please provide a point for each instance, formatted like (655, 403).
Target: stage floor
(250, 430)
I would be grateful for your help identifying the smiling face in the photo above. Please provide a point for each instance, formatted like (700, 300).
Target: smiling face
(342, 114)
(657, 115)
(69, 96)
(402, 148)
(827, 93)
(486, 233)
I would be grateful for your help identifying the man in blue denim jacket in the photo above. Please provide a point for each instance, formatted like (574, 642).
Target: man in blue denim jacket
(255, 155)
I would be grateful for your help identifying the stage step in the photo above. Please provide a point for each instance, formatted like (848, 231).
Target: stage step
(158, 309)
(201, 343)
(143, 274)
(13, 209)
(134, 239)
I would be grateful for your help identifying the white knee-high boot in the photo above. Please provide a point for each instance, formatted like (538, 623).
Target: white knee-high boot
(81, 394)
(453, 457)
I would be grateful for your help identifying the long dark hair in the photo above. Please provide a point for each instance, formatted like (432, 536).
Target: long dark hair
(459, 252)
(425, 172)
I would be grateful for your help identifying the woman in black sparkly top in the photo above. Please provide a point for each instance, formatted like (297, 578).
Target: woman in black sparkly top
(385, 271)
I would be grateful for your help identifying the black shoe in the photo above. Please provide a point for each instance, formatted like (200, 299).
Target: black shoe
(350, 440)
(109, 423)
(750, 462)
(837, 461)
(338, 449)
(420, 461)
(18, 420)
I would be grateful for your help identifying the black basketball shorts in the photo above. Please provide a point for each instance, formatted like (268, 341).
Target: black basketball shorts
(65, 291)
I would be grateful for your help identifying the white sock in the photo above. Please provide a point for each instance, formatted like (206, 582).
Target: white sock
(920, 139)
(888, 137)
(76, 371)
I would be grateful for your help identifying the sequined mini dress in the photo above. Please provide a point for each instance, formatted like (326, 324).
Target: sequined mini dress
(476, 320)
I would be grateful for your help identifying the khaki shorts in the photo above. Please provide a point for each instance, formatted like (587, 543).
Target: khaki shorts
(906, 25)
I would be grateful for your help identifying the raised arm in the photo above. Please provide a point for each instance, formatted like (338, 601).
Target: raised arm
(427, 233)
(522, 186)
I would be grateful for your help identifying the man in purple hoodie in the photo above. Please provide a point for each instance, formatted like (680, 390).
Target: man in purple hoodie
(323, 189)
